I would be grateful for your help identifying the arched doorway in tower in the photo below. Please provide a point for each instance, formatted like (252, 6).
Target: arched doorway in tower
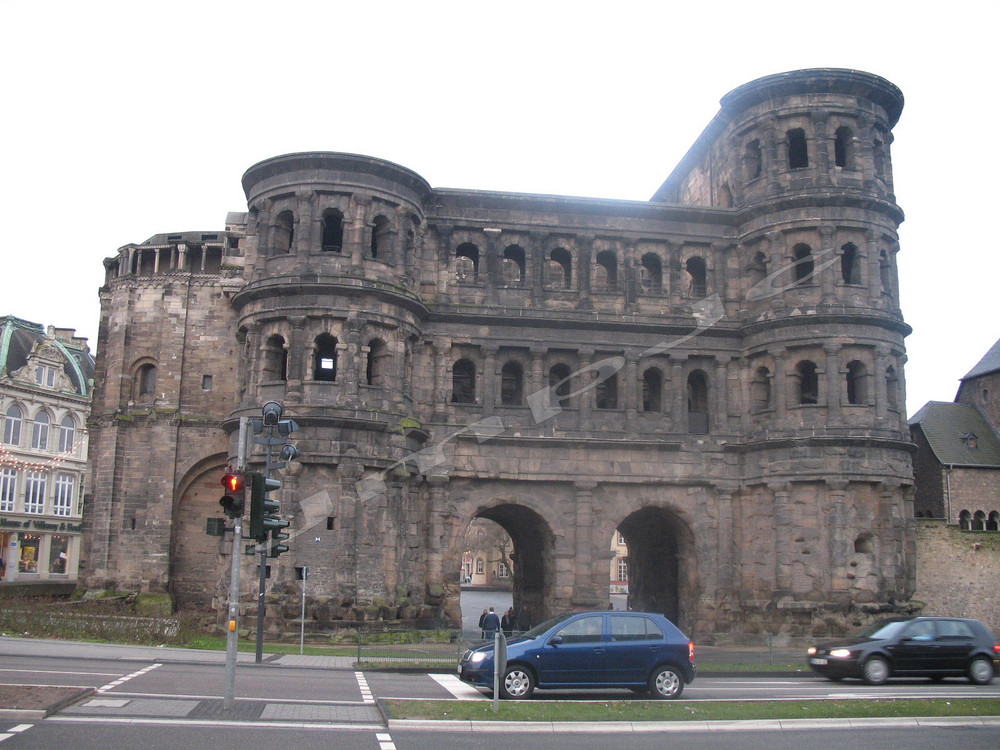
(197, 567)
(528, 560)
(660, 579)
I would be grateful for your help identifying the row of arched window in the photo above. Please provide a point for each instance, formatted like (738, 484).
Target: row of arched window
(40, 432)
(605, 276)
(796, 152)
(331, 234)
(979, 520)
(805, 380)
(325, 359)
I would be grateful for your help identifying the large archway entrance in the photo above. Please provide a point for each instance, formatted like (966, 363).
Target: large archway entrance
(660, 553)
(531, 559)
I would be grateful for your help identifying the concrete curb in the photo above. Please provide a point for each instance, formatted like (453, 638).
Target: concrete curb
(37, 714)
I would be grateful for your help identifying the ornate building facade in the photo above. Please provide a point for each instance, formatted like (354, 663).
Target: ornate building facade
(716, 374)
(46, 377)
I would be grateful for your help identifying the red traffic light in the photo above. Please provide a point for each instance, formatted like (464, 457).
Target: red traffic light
(233, 482)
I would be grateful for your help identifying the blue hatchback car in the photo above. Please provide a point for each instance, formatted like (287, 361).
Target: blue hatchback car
(636, 650)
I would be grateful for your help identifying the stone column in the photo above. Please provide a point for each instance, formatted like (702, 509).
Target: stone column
(632, 390)
(305, 231)
(585, 402)
(585, 251)
(840, 546)
(490, 379)
(299, 352)
(783, 537)
(828, 276)
(588, 558)
(436, 509)
(833, 384)
(881, 389)
(679, 400)
(780, 382)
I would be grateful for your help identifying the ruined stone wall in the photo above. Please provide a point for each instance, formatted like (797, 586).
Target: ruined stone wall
(957, 572)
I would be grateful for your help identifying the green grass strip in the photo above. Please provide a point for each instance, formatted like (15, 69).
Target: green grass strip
(681, 710)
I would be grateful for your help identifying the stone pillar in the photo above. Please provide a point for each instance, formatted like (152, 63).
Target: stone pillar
(585, 251)
(833, 384)
(881, 389)
(632, 390)
(588, 558)
(719, 395)
(436, 509)
(679, 391)
(784, 528)
(585, 401)
(840, 546)
(490, 379)
(828, 276)
(305, 233)
(299, 353)
(441, 356)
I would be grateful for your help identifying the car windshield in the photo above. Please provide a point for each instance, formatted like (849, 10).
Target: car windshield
(882, 630)
(543, 626)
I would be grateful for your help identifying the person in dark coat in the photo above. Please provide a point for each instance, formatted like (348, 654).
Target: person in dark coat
(507, 622)
(482, 617)
(491, 624)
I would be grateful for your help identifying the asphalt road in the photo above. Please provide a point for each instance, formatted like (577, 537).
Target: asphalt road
(167, 698)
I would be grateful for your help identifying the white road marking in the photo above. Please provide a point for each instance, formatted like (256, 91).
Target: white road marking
(126, 678)
(366, 692)
(461, 690)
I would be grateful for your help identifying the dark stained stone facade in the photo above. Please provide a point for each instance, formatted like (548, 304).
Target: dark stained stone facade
(717, 373)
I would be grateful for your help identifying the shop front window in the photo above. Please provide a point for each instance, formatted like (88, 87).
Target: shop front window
(27, 561)
(58, 554)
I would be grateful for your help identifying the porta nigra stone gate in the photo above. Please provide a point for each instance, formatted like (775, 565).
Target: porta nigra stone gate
(716, 373)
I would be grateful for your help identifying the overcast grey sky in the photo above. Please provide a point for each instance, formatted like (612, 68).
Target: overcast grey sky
(122, 120)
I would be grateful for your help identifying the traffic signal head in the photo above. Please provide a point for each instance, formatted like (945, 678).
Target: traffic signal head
(233, 502)
(264, 518)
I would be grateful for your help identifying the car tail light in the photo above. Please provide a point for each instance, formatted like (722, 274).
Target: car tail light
(691, 651)
(996, 648)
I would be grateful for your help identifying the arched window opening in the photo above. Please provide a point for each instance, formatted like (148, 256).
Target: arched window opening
(864, 544)
(146, 383)
(652, 390)
(560, 269)
(802, 256)
(275, 359)
(67, 434)
(463, 382)
(513, 265)
(467, 262)
(606, 393)
(325, 358)
(808, 385)
(993, 522)
(381, 232)
(965, 520)
(850, 268)
(605, 272)
(333, 231)
(892, 388)
(798, 153)
(761, 389)
(284, 230)
(753, 160)
(12, 426)
(843, 148)
(697, 278)
(559, 385)
(40, 432)
(511, 384)
(979, 521)
(857, 383)
(375, 367)
(697, 402)
(651, 274)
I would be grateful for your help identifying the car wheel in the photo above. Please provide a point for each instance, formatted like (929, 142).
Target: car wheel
(876, 671)
(666, 682)
(517, 682)
(981, 671)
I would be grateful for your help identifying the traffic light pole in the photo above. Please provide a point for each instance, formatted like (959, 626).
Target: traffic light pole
(261, 604)
(232, 630)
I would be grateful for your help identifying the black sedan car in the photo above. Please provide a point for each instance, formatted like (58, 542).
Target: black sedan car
(934, 647)
(636, 650)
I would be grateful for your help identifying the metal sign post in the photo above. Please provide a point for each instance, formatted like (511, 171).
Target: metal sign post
(499, 665)
(302, 622)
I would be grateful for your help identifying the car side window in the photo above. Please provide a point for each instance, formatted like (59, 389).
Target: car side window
(625, 628)
(954, 630)
(584, 630)
(920, 631)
